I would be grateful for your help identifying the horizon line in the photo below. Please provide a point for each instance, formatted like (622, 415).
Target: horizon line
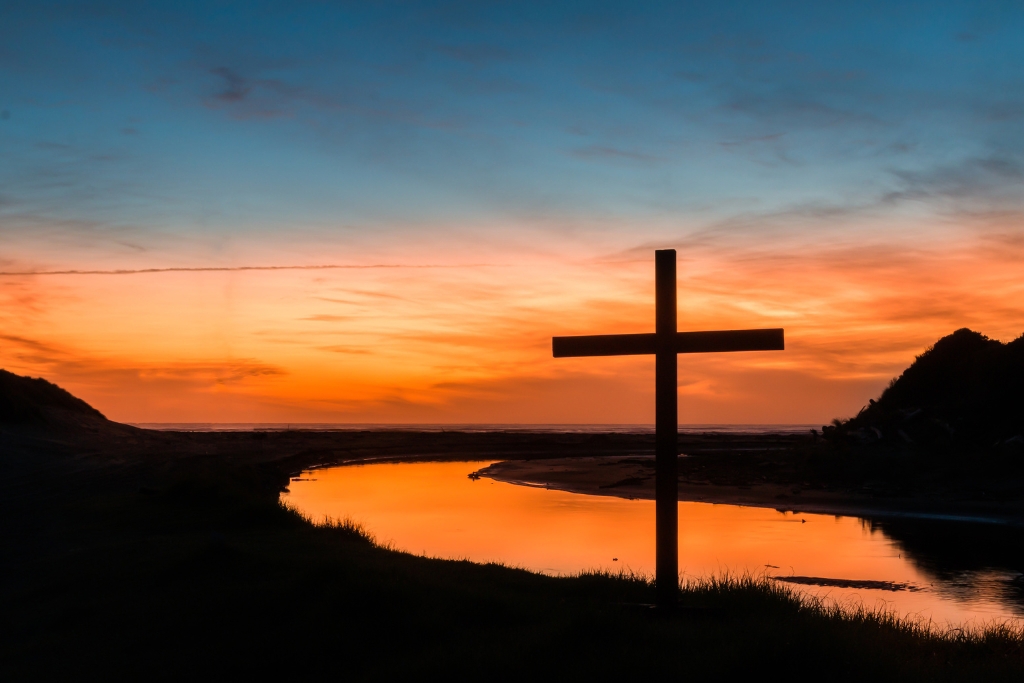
(467, 426)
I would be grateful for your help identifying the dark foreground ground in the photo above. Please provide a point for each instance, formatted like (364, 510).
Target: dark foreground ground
(167, 556)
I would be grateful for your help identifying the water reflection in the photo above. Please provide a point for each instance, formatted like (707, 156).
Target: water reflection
(964, 561)
(435, 509)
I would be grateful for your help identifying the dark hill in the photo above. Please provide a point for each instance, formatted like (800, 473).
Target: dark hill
(30, 401)
(966, 390)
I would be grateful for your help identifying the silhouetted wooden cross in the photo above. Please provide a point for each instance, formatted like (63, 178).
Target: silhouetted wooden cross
(665, 343)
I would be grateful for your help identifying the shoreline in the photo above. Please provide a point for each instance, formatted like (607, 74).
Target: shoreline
(183, 532)
(603, 477)
(758, 470)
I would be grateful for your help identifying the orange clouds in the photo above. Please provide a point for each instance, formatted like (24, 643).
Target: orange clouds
(471, 343)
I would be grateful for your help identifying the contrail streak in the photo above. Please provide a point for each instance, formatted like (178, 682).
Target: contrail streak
(218, 269)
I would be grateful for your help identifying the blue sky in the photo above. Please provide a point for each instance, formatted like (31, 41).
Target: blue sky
(240, 118)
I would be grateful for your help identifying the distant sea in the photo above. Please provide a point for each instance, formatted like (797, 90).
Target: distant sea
(539, 428)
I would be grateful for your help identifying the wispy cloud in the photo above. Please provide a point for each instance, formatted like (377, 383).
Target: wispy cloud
(477, 55)
(235, 88)
(219, 269)
(72, 364)
(336, 348)
(598, 152)
(742, 142)
(972, 179)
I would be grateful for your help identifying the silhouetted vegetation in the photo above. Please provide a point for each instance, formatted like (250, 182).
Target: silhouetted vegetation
(27, 400)
(963, 395)
(207, 576)
(135, 554)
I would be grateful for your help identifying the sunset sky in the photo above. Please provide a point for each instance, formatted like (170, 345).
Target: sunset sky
(382, 212)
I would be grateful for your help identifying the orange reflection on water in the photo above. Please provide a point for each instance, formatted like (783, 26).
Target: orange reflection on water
(435, 509)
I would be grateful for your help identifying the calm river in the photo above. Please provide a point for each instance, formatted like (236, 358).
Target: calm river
(435, 509)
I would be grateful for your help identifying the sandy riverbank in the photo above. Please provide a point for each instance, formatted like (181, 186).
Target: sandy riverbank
(632, 477)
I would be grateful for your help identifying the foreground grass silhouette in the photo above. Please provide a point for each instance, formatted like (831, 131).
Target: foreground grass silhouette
(199, 571)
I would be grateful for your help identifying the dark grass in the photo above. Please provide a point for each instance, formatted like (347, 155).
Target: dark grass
(204, 578)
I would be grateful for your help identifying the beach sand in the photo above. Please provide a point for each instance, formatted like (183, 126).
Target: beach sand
(632, 477)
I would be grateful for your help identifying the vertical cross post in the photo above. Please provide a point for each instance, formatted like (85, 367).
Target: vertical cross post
(665, 343)
(666, 429)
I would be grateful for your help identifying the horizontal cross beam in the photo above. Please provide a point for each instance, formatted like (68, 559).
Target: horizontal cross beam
(686, 342)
